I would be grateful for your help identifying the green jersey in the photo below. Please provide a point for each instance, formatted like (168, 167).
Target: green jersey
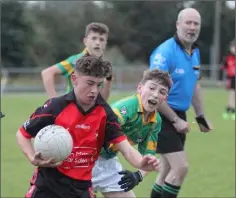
(130, 115)
(67, 68)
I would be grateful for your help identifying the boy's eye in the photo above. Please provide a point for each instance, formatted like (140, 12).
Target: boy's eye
(100, 85)
(163, 92)
(152, 88)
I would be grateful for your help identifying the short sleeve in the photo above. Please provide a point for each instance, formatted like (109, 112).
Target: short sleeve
(160, 59)
(67, 66)
(43, 116)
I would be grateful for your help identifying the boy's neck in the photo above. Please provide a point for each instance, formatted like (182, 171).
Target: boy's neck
(147, 115)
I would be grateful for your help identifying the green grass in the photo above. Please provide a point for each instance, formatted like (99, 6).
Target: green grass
(211, 156)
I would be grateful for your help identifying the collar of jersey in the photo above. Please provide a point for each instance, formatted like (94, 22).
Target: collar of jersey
(85, 52)
(177, 40)
(152, 117)
(71, 98)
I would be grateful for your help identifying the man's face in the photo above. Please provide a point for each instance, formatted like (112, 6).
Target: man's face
(152, 95)
(188, 27)
(86, 89)
(95, 43)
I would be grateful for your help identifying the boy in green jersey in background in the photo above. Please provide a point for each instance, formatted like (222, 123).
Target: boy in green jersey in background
(141, 123)
(95, 41)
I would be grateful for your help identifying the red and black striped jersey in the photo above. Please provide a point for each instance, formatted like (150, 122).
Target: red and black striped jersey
(90, 131)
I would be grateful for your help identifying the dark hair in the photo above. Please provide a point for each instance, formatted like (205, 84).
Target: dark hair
(96, 27)
(161, 76)
(93, 66)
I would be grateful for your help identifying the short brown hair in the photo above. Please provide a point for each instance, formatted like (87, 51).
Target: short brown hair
(100, 28)
(93, 66)
(161, 76)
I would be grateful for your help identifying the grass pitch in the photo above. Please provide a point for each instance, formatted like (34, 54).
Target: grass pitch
(211, 156)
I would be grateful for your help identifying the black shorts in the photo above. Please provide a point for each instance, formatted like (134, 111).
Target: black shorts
(230, 83)
(169, 140)
(50, 183)
(37, 192)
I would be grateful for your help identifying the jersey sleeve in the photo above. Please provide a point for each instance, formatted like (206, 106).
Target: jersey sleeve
(160, 59)
(67, 66)
(43, 116)
(113, 131)
(149, 145)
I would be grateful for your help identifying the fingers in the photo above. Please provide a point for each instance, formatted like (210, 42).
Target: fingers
(122, 173)
(127, 186)
(37, 155)
(205, 129)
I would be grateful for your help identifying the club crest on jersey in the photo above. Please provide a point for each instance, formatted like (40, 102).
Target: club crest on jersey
(123, 110)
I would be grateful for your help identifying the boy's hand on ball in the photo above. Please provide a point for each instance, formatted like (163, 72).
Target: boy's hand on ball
(38, 161)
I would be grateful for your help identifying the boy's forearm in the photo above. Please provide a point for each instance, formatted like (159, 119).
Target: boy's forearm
(48, 82)
(167, 111)
(25, 146)
(130, 154)
(197, 101)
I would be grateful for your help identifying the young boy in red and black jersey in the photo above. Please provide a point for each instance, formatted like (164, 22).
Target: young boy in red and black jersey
(229, 67)
(83, 106)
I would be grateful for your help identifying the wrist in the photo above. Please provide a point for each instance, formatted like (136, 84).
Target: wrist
(201, 115)
(174, 120)
(140, 176)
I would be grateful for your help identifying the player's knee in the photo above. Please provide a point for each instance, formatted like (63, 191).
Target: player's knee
(181, 170)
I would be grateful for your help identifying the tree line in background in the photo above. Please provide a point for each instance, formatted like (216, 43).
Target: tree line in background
(33, 35)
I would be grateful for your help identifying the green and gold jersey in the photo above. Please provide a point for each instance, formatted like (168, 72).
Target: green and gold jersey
(67, 68)
(131, 119)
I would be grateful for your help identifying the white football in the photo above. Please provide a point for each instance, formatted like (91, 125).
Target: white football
(53, 141)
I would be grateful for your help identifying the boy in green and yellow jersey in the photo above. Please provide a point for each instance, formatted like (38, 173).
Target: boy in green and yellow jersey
(141, 123)
(95, 41)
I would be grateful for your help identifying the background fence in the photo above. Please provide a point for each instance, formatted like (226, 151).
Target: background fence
(125, 78)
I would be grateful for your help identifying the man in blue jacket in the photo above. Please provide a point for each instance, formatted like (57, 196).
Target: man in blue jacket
(179, 56)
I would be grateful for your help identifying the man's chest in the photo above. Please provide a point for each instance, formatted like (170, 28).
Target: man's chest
(185, 67)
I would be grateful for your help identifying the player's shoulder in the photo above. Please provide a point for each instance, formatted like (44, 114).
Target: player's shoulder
(166, 46)
(129, 102)
(74, 57)
(57, 104)
(126, 106)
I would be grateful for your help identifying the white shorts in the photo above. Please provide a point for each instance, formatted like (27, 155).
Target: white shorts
(105, 175)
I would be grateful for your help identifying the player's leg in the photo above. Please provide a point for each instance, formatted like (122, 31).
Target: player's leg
(157, 186)
(105, 178)
(171, 145)
(232, 98)
(175, 178)
(230, 108)
(129, 194)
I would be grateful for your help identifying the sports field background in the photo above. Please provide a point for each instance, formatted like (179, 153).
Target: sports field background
(211, 156)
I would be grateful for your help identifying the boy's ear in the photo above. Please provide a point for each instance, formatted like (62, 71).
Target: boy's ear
(139, 88)
(74, 78)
